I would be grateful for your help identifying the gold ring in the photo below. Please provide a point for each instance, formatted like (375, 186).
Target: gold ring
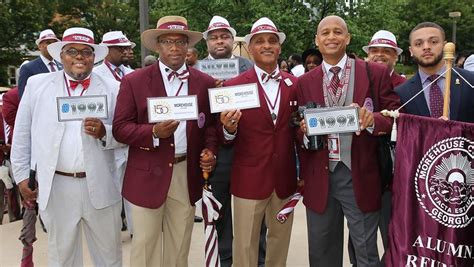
(233, 122)
(93, 128)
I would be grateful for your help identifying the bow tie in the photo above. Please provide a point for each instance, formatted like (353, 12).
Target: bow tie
(275, 75)
(183, 76)
(85, 83)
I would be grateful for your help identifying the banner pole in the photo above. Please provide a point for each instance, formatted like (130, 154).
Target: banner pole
(448, 50)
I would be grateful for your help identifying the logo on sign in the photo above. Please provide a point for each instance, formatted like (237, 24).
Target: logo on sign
(161, 109)
(445, 180)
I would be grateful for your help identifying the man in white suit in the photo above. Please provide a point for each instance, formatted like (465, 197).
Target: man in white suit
(113, 68)
(75, 165)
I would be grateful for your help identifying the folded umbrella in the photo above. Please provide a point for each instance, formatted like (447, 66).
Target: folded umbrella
(289, 207)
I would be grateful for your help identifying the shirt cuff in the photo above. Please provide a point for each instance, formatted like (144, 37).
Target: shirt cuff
(156, 142)
(228, 136)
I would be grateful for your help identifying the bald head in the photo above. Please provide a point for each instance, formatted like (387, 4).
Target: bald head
(332, 38)
(331, 20)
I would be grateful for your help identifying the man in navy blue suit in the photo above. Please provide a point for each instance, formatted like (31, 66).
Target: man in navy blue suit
(427, 40)
(44, 63)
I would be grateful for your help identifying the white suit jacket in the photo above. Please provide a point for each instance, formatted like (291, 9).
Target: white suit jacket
(121, 154)
(38, 135)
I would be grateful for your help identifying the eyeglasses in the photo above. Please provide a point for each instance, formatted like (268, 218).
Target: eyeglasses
(121, 48)
(74, 52)
(170, 43)
(224, 37)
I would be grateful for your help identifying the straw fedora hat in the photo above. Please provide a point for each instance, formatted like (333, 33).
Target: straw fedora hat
(169, 24)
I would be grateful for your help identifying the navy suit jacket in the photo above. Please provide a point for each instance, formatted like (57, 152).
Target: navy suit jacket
(462, 97)
(31, 68)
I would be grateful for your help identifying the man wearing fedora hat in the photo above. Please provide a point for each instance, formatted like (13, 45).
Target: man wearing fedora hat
(345, 182)
(383, 49)
(163, 177)
(73, 160)
(44, 63)
(263, 173)
(219, 38)
(113, 67)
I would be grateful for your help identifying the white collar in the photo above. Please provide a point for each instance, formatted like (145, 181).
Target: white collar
(47, 61)
(165, 69)
(339, 64)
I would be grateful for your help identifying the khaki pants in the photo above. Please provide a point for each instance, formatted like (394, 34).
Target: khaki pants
(248, 216)
(162, 237)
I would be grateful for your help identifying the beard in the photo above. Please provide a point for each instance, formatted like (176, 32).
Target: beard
(419, 61)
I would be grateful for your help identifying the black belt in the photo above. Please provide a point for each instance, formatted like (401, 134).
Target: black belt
(179, 159)
(75, 174)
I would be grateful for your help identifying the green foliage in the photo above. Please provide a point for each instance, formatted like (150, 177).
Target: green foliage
(22, 20)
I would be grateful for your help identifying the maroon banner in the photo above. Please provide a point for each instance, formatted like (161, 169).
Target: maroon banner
(433, 211)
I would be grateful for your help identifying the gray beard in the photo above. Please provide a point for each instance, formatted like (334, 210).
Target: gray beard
(79, 76)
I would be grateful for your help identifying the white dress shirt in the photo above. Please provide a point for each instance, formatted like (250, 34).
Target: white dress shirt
(271, 89)
(48, 65)
(341, 64)
(70, 150)
(172, 88)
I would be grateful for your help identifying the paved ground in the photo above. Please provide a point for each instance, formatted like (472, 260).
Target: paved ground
(11, 248)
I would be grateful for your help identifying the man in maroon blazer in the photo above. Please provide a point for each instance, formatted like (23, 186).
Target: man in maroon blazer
(383, 49)
(263, 172)
(163, 177)
(347, 183)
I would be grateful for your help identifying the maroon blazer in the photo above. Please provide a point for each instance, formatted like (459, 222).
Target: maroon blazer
(365, 174)
(264, 153)
(396, 79)
(149, 170)
(11, 101)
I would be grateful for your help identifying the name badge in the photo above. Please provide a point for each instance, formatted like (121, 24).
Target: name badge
(334, 146)
(220, 69)
(178, 108)
(234, 97)
(321, 121)
(76, 108)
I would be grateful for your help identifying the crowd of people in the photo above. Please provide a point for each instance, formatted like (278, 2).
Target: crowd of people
(94, 172)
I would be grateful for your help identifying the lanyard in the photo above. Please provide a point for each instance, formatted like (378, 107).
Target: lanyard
(337, 99)
(118, 78)
(272, 106)
(68, 88)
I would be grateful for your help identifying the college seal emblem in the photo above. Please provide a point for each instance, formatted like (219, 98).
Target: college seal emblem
(444, 182)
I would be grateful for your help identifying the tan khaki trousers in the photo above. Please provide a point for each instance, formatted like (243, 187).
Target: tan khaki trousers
(162, 237)
(248, 216)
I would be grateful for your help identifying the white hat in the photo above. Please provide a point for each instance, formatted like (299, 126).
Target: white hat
(469, 63)
(78, 36)
(47, 34)
(218, 22)
(169, 24)
(116, 38)
(383, 39)
(264, 25)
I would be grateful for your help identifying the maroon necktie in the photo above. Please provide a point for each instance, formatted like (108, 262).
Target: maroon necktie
(334, 85)
(436, 98)
(53, 69)
(275, 75)
(118, 71)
